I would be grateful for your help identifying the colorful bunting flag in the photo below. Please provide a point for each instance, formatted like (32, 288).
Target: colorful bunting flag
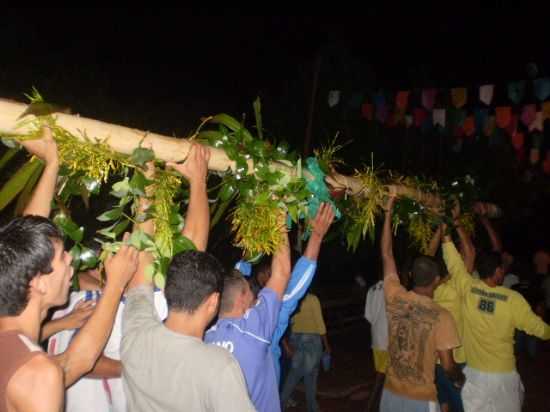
(439, 117)
(402, 100)
(428, 98)
(486, 93)
(542, 88)
(516, 91)
(459, 96)
(504, 116)
(333, 98)
(528, 114)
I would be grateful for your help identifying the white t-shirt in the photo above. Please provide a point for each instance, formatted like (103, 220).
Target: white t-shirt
(375, 313)
(92, 394)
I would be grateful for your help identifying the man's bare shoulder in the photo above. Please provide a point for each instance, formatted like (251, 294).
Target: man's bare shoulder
(40, 371)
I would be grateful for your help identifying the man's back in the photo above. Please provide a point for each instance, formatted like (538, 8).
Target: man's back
(418, 328)
(491, 315)
(248, 338)
(167, 371)
(375, 313)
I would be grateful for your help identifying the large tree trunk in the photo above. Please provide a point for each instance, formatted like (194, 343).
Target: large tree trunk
(125, 140)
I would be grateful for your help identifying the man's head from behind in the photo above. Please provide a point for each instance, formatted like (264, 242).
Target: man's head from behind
(489, 267)
(237, 296)
(33, 265)
(426, 272)
(194, 283)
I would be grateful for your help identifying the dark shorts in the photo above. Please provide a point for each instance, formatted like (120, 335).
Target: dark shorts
(446, 391)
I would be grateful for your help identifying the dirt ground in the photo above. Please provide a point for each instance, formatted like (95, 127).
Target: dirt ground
(346, 386)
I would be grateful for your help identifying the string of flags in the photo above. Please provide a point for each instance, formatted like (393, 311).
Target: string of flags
(520, 111)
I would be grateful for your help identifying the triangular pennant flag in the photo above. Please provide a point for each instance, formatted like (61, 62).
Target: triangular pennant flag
(504, 116)
(513, 126)
(537, 124)
(382, 112)
(399, 118)
(545, 110)
(367, 110)
(542, 88)
(428, 98)
(469, 126)
(486, 93)
(333, 98)
(521, 155)
(534, 155)
(408, 120)
(439, 117)
(481, 116)
(459, 96)
(490, 126)
(518, 140)
(419, 116)
(379, 99)
(516, 91)
(528, 114)
(456, 118)
(402, 100)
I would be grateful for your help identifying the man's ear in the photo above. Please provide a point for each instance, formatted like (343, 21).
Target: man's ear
(213, 302)
(38, 284)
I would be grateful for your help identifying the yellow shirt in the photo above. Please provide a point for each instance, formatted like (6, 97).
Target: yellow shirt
(447, 297)
(309, 319)
(490, 317)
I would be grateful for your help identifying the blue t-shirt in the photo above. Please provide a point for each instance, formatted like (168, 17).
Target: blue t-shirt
(302, 276)
(248, 338)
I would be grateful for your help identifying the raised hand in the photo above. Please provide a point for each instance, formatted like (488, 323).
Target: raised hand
(121, 267)
(45, 148)
(195, 167)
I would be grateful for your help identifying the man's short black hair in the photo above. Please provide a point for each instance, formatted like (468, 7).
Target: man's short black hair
(425, 270)
(234, 284)
(26, 250)
(487, 263)
(192, 277)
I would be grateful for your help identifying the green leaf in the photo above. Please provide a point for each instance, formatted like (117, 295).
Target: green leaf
(92, 185)
(258, 114)
(121, 227)
(8, 156)
(88, 258)
(149, 271)
(182, 243)
(232, 124)
(138, 183)
(69, 228)
(141, 155)
(26, 194)
(211, 136)
(17, 182)
(121, 189)
(75, 253)
(139, 239)
(226, 192)
(112, 214)
(159, 280)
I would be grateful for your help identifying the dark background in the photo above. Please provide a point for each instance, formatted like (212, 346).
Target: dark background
(163, 69)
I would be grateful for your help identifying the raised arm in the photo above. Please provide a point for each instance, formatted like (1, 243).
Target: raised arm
(467, 249)
(195, 170)
(496, 242)
(386, 244)
(87, 346)
(280, 265)
(435, 242)
(74, 320)
(45, 148)
(319, 227)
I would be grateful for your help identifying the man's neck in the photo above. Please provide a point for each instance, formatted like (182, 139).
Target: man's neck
(185, 323)
(424, 291)
(28, 322)
(491, 282)
(235, 313)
